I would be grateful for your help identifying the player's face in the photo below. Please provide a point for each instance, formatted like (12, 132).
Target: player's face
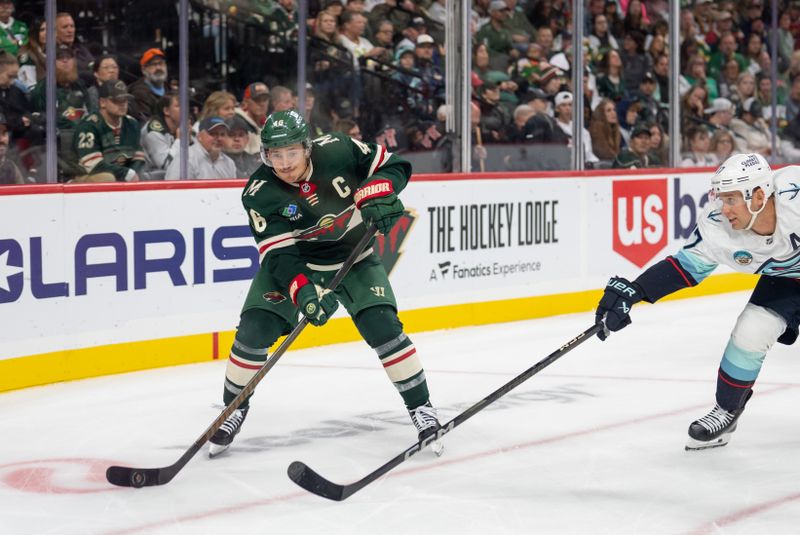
(289, 163)
(735, 210)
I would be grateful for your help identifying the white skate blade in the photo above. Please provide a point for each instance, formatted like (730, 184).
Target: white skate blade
(215, 450)
(437, 447)
(697, 445)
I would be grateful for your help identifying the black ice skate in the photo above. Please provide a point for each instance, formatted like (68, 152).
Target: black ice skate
(427, 424)
(225, 434)
(713, 430)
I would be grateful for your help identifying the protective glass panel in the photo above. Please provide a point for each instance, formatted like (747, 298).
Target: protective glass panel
(22, 126)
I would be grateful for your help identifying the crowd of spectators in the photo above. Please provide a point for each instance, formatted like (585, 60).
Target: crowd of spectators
(376, 70)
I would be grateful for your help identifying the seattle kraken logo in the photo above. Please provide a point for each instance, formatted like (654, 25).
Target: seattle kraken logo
(794, 190)
(782, 268)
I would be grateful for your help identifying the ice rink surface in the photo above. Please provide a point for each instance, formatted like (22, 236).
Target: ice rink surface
(593, 444)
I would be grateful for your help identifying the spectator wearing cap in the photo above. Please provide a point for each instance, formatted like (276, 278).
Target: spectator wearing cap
(750, 126)
(161, 133)
(410, 33)
(352, 38)
(495, 35)
(605, 130)
(253, 113)
(431, 74)
(610, 82)
(723, 23)
(107, 142)
(651, 109)
(538, 127)
(496, 120)
(720, 115)
(9, 172)
(13, 33)
(105, 68)
(236, 147)
(409, 81)
(71, 95)
(148, 89)
(637, 155)
(206, 159)
(522, 31)
(551, 80)
(563, 115)
(66, 37)
(698, 145)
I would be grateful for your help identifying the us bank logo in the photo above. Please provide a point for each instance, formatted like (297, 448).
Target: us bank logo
(640, 218)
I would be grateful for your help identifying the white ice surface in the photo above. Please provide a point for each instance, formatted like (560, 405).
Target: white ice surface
(593, 444)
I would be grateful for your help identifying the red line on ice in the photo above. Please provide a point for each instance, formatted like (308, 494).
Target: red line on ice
(427, 467)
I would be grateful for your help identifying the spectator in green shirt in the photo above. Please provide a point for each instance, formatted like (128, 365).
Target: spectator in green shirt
(13, 33)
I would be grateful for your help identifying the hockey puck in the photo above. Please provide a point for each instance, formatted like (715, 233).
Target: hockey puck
(137, 479)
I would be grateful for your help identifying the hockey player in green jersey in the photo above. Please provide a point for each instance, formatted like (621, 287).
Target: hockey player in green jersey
(307, 207)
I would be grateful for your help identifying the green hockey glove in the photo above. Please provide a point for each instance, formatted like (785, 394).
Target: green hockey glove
(379, 204)
(315, 303)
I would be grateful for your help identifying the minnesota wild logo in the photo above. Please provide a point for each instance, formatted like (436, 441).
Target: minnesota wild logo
(390, 247)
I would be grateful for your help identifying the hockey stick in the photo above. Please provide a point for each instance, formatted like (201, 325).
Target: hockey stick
(310, 480)
(124, 476)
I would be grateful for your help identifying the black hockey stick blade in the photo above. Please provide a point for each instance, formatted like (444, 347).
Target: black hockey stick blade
(313, 482)
(124, 476)
(307, 478)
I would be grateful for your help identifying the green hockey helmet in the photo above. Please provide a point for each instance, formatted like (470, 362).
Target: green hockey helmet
(284, 128)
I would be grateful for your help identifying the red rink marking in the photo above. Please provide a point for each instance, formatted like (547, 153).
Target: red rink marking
(466, 458)
(58, 476)
(744, 514)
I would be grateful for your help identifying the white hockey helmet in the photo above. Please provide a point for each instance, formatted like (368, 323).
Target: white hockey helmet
(745, 173)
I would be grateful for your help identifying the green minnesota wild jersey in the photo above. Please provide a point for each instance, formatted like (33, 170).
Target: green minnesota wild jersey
(103, 149)
(314, 224)
(13, 36)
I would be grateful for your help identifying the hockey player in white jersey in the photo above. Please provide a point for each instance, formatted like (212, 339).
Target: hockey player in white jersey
(752, 224)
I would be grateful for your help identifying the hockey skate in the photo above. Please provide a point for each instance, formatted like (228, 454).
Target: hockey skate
(713, 430)
(222, 439)
(427, 424)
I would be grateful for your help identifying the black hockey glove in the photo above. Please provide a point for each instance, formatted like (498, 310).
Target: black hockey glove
(615, 306)
(379, 204)
(314, 303)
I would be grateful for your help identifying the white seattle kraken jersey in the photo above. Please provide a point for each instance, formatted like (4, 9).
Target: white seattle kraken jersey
(714, 242)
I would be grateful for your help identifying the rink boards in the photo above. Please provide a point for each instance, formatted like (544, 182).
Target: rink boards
(102, 279)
